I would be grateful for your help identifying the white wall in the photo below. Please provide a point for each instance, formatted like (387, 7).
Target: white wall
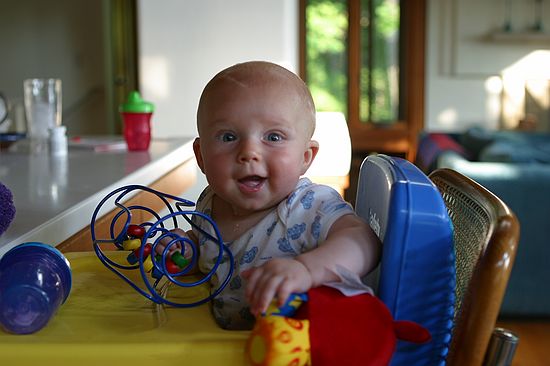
(60, 39)
(465, 66)
(183, 43)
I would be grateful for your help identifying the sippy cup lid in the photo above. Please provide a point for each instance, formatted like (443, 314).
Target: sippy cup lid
(134, 104)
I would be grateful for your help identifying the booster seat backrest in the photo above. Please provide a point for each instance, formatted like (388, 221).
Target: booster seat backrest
(416, 272)
(377, 178)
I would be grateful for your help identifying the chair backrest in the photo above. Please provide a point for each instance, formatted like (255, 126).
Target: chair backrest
(416, 273)
(486, 234)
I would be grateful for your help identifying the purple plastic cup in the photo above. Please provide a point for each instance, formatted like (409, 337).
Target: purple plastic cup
(35, 279)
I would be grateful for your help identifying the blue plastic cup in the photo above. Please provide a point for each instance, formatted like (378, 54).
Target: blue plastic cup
(35, 279)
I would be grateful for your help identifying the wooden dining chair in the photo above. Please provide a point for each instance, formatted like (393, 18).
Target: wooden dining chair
(486, 234)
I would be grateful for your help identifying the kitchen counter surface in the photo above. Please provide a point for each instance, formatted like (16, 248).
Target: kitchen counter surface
(55, 197)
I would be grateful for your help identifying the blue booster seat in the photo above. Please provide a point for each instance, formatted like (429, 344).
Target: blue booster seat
(416, 275)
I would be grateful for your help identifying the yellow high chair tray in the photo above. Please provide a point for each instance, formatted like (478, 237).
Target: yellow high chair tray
(105, 320)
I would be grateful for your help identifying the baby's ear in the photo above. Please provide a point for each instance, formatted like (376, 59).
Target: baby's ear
(198, 155)
(310, 153)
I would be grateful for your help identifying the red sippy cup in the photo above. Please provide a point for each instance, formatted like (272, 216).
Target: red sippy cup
(136, 115)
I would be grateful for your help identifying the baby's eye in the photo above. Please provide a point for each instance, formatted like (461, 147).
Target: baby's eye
(274, 137)
(228, 137)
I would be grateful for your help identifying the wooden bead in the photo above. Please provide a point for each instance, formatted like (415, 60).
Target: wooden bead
(135, 231)
(147, 264)
(131, 244)
(171, 267)
(179, 260)
(132, 258)
(146, 250)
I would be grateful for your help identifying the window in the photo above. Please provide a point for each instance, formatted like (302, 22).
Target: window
(365, 58)
(379, 65)
(327, 53)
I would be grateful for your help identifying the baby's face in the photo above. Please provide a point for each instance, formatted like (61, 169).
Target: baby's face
(254, 143)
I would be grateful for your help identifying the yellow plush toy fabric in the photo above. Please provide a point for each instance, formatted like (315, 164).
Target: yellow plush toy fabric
(279, 340)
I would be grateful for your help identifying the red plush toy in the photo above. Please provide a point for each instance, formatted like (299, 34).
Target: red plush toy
(331, 329)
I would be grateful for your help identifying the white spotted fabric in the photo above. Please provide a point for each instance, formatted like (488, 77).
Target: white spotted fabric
(298, 224)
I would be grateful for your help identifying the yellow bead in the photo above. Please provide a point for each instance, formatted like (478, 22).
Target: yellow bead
(131, 244)
(147, 264)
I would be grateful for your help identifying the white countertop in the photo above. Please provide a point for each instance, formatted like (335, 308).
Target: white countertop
(55, 197)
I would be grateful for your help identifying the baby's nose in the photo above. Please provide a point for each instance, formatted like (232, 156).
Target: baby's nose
(249, 151)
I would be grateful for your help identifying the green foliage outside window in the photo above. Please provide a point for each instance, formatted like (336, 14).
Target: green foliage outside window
(326, 53)
(326, 57)
(379, 99)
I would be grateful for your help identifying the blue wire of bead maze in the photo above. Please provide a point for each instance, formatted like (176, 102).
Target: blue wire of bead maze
(175, 210)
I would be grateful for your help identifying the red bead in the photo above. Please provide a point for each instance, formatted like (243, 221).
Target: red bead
(135, 231)
(146, 250)
(171, 266)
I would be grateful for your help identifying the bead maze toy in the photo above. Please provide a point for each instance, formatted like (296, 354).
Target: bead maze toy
(161, 255)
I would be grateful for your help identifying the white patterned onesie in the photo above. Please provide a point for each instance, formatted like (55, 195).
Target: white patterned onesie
(297, 225)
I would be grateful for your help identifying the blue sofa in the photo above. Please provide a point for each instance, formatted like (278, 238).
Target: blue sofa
(516, 167)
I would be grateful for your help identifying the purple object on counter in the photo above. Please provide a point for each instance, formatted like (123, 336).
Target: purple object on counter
(7, 209)
(35, 279)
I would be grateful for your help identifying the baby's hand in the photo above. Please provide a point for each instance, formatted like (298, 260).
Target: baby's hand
(188, 252)
(277, 278)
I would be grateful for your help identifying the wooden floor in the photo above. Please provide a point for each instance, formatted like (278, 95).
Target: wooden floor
(534, 341)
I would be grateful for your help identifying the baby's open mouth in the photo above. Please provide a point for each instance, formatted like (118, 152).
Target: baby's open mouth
(252, 183)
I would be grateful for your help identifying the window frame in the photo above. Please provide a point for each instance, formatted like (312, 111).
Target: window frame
(401, 136)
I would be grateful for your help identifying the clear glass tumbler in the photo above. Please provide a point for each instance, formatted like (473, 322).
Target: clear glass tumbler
(43, 107)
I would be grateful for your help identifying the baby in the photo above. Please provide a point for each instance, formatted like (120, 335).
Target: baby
(255, 122)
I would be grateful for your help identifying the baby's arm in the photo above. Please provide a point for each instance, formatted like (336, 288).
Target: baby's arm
(350, 243)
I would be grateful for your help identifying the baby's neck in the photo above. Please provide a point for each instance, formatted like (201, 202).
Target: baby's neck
(231, 224)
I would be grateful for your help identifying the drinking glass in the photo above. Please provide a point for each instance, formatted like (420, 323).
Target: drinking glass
(42, 110)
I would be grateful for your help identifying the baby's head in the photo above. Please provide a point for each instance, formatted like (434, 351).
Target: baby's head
(255, 123)
(261, 75)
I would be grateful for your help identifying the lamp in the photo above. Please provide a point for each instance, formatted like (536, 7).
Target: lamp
(332, 163)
